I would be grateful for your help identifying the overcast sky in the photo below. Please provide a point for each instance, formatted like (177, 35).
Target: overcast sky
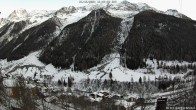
(7, 6)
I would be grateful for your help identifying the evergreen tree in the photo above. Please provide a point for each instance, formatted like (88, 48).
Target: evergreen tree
(194, 87)
(177, 68)
(129, 84)
(110, 75)
(70, 83)
(111, 82)
(140, 80)
(194, 72)
(105, 82)
(64, 83)
(59, 82)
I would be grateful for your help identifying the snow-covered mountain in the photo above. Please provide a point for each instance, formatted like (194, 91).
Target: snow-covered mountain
(38, 16)
(175, 13)
(122, 10)
(18, 15)
(76, 36)
(3, 21)
(86, 38)
(65, 10)
(127, 6)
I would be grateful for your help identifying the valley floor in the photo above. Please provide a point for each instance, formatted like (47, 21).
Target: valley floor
(120, 87)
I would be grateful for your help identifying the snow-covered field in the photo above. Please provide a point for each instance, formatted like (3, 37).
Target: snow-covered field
(30, 65)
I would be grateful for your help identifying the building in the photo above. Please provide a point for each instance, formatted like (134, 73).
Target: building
(161, 104)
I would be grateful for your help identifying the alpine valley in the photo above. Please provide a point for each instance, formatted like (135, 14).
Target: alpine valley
(121, 56)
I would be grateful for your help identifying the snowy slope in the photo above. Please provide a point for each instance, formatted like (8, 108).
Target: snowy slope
(3, 21)
(30, 65)
(69, 15)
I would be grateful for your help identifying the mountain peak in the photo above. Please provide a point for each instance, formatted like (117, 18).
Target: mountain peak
(18, 14)
(65, 10)
(56, 20)
(175, 13)
(99, 13)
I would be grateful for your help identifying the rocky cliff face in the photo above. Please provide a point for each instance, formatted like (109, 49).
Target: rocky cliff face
(83, 44)
(161, 37)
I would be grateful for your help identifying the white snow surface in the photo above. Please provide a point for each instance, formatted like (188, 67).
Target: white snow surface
(173, 13)
(17, 15)
(123, 9)
(30, 65)
(9, 82)
(73, 17)
(126, 25)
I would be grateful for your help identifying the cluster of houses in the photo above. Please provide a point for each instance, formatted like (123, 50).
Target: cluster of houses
(104, 95)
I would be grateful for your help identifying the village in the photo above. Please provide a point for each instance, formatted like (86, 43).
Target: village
(46, 89)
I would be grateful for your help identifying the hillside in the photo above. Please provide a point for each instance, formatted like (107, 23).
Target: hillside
(30, 40)
(83, 43)
(161, 37)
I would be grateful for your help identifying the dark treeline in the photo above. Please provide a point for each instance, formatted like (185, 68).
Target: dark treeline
(160, 36)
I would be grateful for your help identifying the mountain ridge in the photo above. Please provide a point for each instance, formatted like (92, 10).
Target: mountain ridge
(77, 37)
(161, 37)
(36, 16)
(89, 27)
